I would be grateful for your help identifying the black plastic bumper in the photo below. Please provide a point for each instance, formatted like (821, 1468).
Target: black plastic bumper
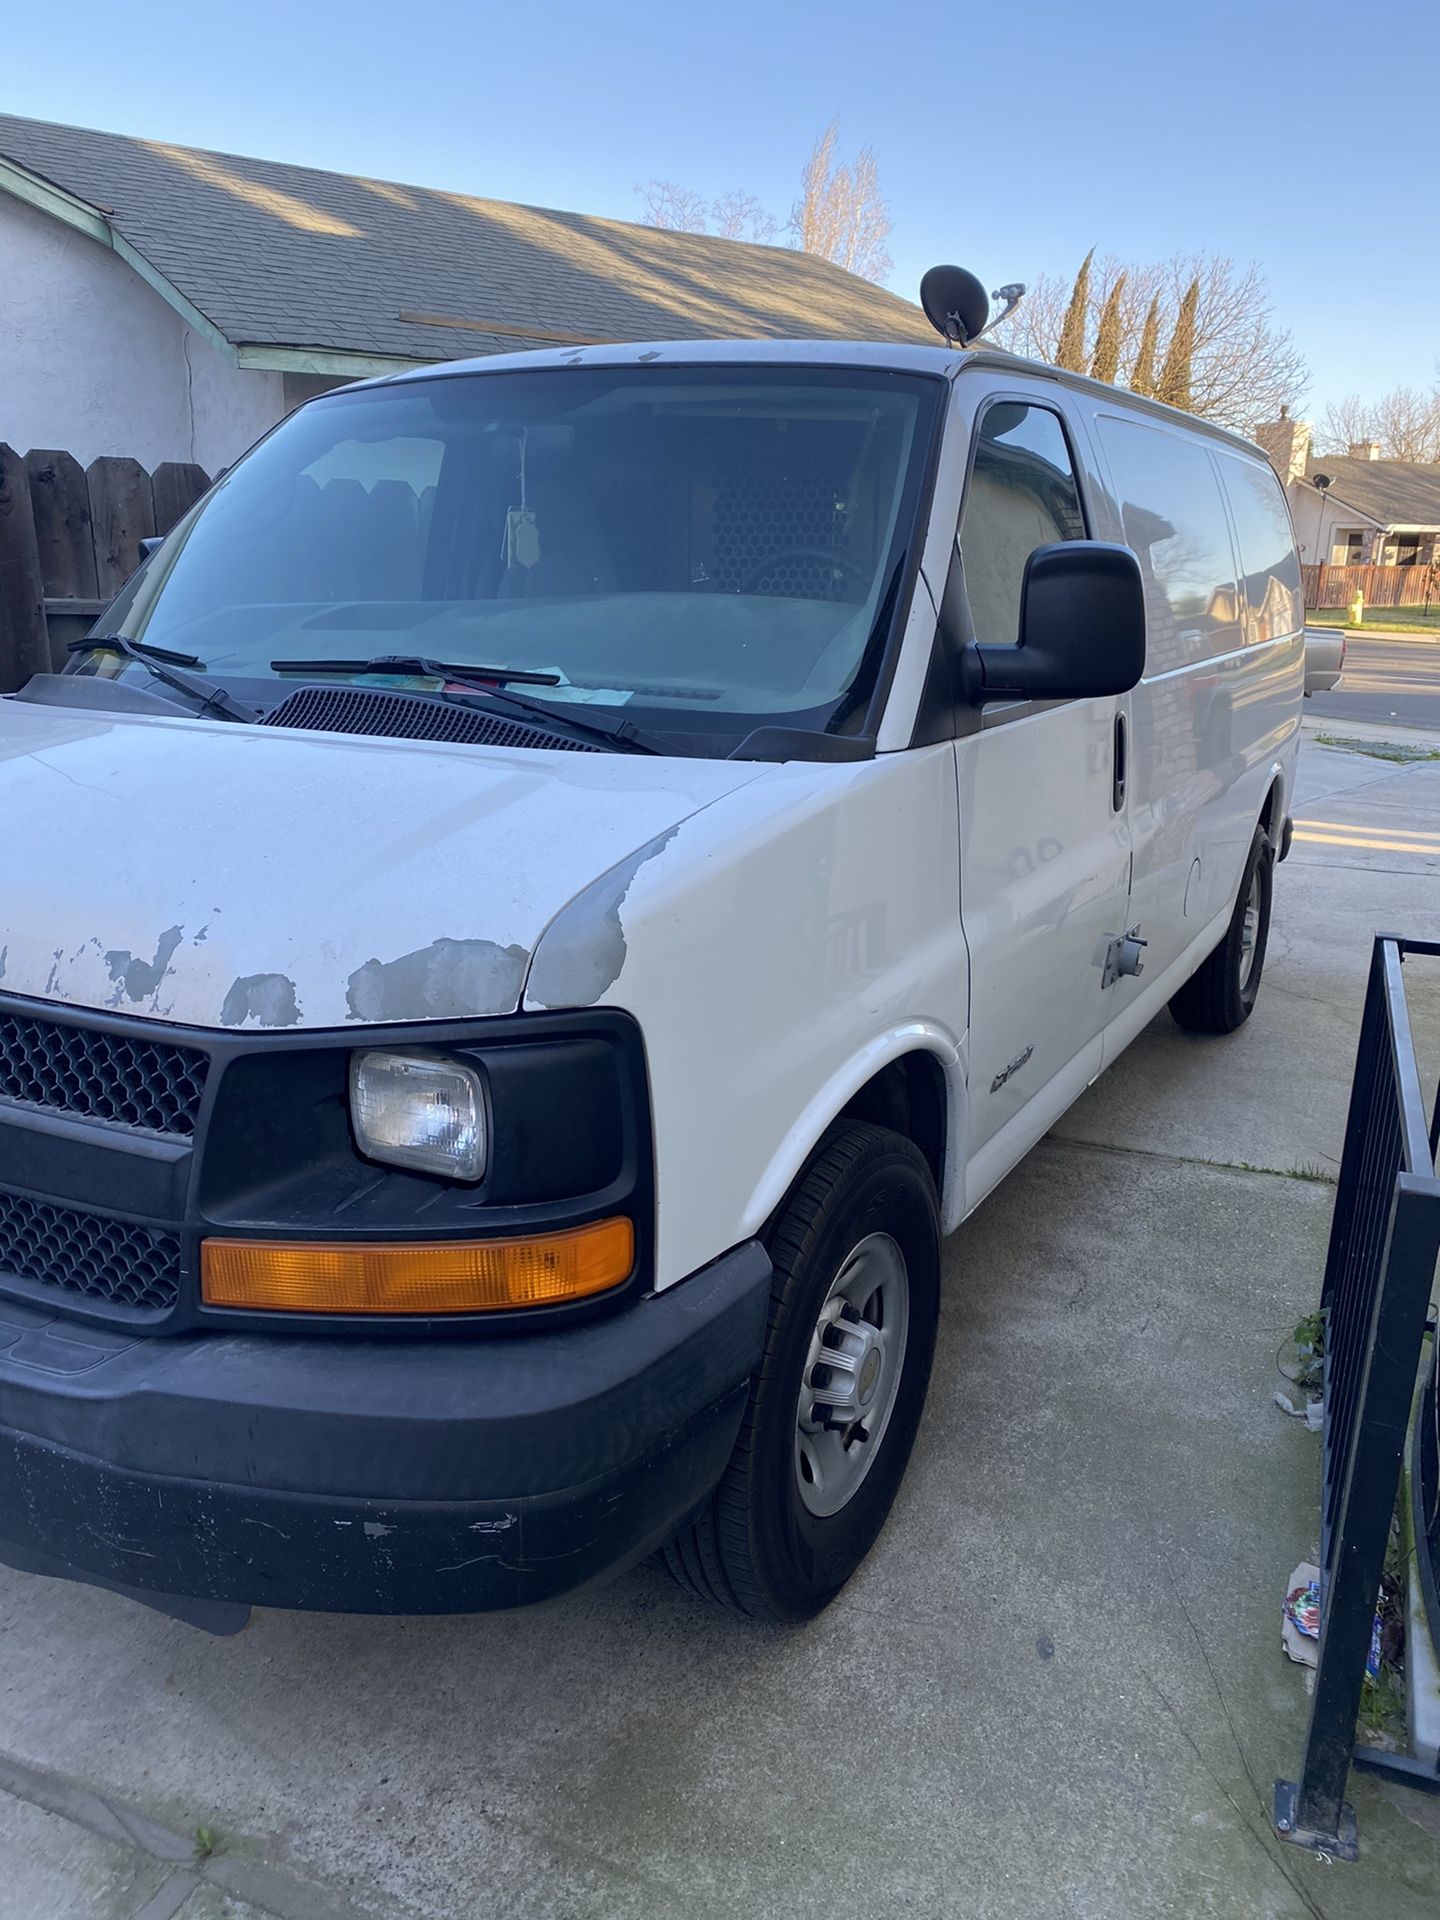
(448, 1476)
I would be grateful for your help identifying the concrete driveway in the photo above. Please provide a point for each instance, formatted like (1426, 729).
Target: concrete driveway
(1056, 1688)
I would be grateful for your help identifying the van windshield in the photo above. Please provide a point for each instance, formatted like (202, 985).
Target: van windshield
(706, 548)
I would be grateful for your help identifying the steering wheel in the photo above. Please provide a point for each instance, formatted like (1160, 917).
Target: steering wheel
(817, 556)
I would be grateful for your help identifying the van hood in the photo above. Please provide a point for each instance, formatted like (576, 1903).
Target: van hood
(222, 875)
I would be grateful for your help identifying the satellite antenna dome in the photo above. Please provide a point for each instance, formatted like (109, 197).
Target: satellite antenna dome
(956, 304)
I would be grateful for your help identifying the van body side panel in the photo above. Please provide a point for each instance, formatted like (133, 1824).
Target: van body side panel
(1218, 707)
(776, 953)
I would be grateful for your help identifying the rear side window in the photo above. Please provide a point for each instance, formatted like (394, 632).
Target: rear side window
(1174, 518)
(1269, 565)
(1022, 495)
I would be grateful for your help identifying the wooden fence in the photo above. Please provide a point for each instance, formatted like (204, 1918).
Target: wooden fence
(69, 540)
(1379, 586)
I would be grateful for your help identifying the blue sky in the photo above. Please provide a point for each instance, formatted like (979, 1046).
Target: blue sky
(1009, 141)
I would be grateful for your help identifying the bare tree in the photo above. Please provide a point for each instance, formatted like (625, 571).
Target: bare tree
(1408, 423)
(1243, 367)
(740, 216)
(1405, 422)
(673, 207)
(1346, 423)
(841, 213)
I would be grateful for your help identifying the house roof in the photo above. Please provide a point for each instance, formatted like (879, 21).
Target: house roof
(293, 267)
(1392, 493)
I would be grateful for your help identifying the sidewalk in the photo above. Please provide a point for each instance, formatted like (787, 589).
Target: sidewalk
(1056, 1687)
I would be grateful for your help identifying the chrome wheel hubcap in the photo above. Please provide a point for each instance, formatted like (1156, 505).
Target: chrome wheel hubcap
(852, 1374)
(1250, 931)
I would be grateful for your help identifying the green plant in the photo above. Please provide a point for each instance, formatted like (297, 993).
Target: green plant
(1309, 1340)
(1311, 1332)
(1142, 376)
(1378, 749)
(1105, 363)
(1382, 1704)
(1307, 1170)
(1176, 374)
(207, 1840)
(1071, 350)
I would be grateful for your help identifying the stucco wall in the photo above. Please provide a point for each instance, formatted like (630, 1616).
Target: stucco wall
(93, 361)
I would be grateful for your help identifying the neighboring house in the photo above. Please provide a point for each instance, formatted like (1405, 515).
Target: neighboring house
(169, 304)
(1355, 509)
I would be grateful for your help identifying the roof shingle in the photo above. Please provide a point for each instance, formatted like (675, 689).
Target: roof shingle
(1397, 493)
(290, 256)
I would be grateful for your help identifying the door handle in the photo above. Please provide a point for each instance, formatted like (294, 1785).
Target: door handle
(1117, 766)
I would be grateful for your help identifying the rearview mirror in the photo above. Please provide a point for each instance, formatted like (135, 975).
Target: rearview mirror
(1082, 629)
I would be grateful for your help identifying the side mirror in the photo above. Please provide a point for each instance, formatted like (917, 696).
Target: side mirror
(1082, 629)
(152, 543)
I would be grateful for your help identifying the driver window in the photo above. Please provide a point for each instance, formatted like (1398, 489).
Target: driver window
(1022, 495)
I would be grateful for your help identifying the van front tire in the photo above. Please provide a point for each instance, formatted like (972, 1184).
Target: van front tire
(1220, 996)
(837, 1398)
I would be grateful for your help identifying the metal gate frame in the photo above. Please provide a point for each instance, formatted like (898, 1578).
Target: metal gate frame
(1384, 1241)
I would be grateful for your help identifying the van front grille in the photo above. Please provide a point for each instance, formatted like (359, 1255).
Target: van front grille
(100, 1076)
(84, 1253)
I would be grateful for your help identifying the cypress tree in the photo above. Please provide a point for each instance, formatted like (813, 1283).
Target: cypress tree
(1174, 385)
(1142, 379)
(1106, 363)
(1071, 351)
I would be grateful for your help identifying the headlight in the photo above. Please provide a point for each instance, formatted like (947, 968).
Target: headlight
(421, 1111)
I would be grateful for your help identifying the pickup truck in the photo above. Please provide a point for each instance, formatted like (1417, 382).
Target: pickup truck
(1324, 658)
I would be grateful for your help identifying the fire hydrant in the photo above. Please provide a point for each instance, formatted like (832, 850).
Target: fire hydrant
(1357, 610)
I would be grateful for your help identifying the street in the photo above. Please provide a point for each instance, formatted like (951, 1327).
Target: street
(1388, 677)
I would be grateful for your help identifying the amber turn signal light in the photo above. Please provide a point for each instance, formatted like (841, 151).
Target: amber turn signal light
(447, 1276)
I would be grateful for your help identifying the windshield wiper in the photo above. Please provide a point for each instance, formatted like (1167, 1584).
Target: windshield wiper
(623, 736)
(418, 663)
(141, 647)
(213, 699)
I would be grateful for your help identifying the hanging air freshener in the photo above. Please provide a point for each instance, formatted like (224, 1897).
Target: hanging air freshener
(522, 534)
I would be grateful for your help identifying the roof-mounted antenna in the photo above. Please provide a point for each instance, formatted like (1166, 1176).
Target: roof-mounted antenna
(1012, 293)
(958, 307)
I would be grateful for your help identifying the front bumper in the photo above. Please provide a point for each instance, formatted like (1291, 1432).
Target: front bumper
(448, 1475)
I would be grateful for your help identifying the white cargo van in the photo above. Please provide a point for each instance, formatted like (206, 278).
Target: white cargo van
(553, 890)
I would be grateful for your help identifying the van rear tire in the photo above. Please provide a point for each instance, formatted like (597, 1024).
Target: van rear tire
(856, 1255)
(1220, 995)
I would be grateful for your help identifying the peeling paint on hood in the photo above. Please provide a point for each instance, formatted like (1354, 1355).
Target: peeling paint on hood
(449, 979)
(223, 875)
(581, 955)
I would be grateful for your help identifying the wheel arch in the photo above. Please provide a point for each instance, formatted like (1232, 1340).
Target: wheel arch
(912, 1079)
(1272, 811)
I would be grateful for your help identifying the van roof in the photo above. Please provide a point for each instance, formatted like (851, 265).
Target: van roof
(946, 361)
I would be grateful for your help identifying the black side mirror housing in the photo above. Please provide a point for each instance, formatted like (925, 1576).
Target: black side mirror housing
(1082, 629)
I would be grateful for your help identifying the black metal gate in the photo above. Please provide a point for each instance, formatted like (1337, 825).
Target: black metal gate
(1384, 1240)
